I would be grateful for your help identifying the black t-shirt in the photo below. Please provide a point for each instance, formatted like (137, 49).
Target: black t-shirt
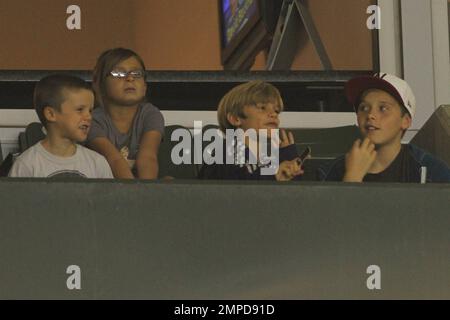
(402, 169)
(245, 171)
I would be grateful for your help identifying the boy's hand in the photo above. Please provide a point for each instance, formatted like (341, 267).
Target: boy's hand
(289, 170)
(286, 139)
(359, 160)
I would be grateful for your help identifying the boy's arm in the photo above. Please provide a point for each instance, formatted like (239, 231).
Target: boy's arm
(117, 162)
(20, 170)
(289, 168)
(288, 153)
(103, 169)
(147, 157)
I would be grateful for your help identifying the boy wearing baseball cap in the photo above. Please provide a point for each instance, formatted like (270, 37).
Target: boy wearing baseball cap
(385, 106)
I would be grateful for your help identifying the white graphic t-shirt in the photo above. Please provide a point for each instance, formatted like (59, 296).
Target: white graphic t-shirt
(38, 162)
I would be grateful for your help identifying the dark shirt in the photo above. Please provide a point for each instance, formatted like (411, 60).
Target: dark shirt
(245, 171)
(402, 169)
(406, 167)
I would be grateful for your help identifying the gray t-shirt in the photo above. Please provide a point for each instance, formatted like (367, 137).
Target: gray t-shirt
(147, 118)
(37, 162)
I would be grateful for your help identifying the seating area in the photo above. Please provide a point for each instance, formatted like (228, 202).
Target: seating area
(434, 136)
(326, 144)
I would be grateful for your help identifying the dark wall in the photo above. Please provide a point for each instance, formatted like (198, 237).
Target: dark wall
(173, 90)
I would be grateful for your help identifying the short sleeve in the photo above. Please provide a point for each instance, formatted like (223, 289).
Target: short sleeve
(153, 119)
(98, 125)
(104, 170)
(20, 169)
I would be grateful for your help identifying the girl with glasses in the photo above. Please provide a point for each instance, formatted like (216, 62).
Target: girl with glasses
(126, 129)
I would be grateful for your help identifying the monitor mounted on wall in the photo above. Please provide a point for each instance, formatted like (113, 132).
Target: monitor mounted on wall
(247, 27)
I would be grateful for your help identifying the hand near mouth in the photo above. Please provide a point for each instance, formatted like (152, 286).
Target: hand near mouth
(359, 160)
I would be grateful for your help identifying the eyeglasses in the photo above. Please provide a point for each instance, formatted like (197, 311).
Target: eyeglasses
(136, 74)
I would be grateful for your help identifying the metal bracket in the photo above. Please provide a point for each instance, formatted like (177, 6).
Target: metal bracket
(284, 46)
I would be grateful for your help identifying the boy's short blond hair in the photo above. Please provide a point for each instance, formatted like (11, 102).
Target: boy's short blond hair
(246, 94)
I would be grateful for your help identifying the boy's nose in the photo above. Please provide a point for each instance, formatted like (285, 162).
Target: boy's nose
(371, 115)
(273, 113)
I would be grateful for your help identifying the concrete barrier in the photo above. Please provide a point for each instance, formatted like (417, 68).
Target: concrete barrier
(223, 240)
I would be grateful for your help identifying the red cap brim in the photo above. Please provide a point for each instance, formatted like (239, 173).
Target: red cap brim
(354, 88)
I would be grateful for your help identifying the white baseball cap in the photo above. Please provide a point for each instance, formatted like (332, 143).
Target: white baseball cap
(393, 85)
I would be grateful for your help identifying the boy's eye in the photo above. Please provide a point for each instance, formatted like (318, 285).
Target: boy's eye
(265, 107)
(363, 108)
(383, 108)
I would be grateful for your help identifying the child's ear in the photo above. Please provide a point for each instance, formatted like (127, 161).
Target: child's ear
(234, 120)
(49, 114)
(406, 121)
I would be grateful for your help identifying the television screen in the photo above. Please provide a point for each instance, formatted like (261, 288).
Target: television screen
(236, 14)
(247, 26)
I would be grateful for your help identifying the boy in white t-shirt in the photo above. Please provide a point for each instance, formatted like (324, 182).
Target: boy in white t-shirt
(64, 105)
